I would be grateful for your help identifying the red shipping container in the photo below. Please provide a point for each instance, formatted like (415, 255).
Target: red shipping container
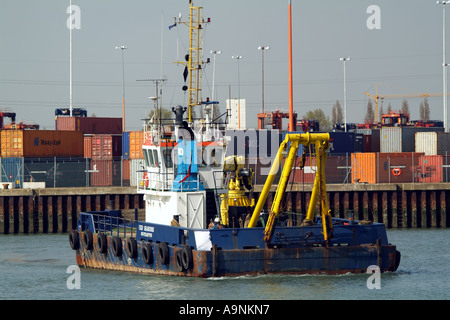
(106, 147)
(90, 125)
(87, 146)
(102, 175)
(430, 169)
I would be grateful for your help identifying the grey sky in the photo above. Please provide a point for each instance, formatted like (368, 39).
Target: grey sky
(403, 57)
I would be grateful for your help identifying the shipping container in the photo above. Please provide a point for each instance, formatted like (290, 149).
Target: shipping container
(345, 142)
(57, 172)
(12, 171)
(409, 137)
(371, 139)
(88, 146)
(41, 143)
(136, 165)
(401, 139)
(90, 125)
(105, 173)
(364, 167)
(433, 143)
(136, 141)
(126, 164)
(106, 147)
(126, 145)
(391, 139)
(430, 169)
(385, 167)
(338, 169)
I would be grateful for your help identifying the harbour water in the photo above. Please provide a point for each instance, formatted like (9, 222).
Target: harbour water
(37, 267)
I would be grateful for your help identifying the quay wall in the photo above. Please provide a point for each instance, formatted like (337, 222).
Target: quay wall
(424, 205)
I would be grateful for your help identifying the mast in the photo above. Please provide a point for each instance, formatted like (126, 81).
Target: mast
(291, 98)
(194, 60)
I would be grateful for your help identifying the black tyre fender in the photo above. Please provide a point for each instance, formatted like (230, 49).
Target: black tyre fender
(132, 248)
(147, 253)
(74, 240)
(179, 261)
(163, 253)
(102, 243)
(116, 246)
(187, 258)
(88, 239)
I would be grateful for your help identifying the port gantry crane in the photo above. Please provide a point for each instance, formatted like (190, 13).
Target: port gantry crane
(290, 146)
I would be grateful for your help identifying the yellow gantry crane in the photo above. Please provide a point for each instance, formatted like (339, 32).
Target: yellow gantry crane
(376, 98)
(321, 143)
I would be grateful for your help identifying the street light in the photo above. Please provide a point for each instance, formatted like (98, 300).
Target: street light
(262, 48)
(239, 91)
(214, 52)
(444, 64)
(345, 59)
(123, 48)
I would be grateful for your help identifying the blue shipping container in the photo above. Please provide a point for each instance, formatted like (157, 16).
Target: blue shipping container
(126, 145)
(12, 171)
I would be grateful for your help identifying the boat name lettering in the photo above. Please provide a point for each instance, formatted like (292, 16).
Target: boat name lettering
(147, 228)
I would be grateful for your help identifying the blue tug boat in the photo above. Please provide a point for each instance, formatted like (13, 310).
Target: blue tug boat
(199, 221)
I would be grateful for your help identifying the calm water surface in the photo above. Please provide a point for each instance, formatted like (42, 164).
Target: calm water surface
(35, 267)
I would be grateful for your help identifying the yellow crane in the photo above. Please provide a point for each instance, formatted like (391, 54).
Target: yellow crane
(321, 143)
(377, 98)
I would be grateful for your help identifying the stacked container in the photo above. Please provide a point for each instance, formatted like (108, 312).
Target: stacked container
(102, 147)
(133, 155)
(405, 167)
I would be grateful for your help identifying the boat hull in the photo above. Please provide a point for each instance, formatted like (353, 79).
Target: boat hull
(182, 261)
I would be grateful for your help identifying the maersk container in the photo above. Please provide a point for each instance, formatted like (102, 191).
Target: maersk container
(432, 143)
(12, 171)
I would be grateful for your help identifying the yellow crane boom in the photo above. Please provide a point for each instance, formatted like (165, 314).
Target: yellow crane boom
(376, 98)
(320, 140)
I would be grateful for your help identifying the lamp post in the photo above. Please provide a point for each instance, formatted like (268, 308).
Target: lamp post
(123, 48)
(262, 48)
(345, 59)
(239, 91)
(214, 52)
(70, 64)
(444, 65)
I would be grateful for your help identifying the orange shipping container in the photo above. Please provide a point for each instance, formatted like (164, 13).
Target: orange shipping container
(41, 143)
(136, 142)
(364, 167)
(87, 146)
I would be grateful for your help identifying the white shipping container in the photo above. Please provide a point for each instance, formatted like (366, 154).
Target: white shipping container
(135, 166)
(391, 139)
(432, 143)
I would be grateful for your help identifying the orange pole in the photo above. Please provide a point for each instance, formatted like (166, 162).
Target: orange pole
(291, 98)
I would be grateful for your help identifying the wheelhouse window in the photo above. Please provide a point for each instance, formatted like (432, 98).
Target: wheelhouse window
(167, 155)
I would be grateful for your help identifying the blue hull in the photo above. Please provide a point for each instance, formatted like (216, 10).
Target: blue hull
(104, 241)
